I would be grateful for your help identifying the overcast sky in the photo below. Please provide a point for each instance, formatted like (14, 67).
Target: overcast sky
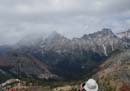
(72, 18)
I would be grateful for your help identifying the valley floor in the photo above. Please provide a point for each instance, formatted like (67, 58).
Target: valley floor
(23, 87)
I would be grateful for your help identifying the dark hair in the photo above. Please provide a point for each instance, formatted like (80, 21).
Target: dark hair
(83, 84)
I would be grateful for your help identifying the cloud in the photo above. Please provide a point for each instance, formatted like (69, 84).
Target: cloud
(72, 18)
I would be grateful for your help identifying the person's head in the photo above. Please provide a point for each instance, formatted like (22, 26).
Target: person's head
(91, 85)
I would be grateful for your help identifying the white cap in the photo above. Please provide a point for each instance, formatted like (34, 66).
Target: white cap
(91, 85)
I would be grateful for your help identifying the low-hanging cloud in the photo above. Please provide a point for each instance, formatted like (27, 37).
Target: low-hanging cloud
(72, 18)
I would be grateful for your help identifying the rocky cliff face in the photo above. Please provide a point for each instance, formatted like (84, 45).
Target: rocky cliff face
(105, 40)
(124, 35)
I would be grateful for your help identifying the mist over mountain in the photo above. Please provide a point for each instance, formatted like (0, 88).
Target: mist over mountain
(57, 57)
(70, 18)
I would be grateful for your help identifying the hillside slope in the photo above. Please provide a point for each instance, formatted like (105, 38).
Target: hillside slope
(17, 65)
(114, 74)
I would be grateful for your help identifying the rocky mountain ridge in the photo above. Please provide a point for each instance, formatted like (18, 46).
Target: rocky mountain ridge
(125, 36)
(57, 57)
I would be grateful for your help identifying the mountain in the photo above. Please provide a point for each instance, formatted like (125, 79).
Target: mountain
(57, 57)
(77, 55)
(17, 65)
(124, 35)
(105, 40)
(54, 42)
(114, 73)
(102, 42)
